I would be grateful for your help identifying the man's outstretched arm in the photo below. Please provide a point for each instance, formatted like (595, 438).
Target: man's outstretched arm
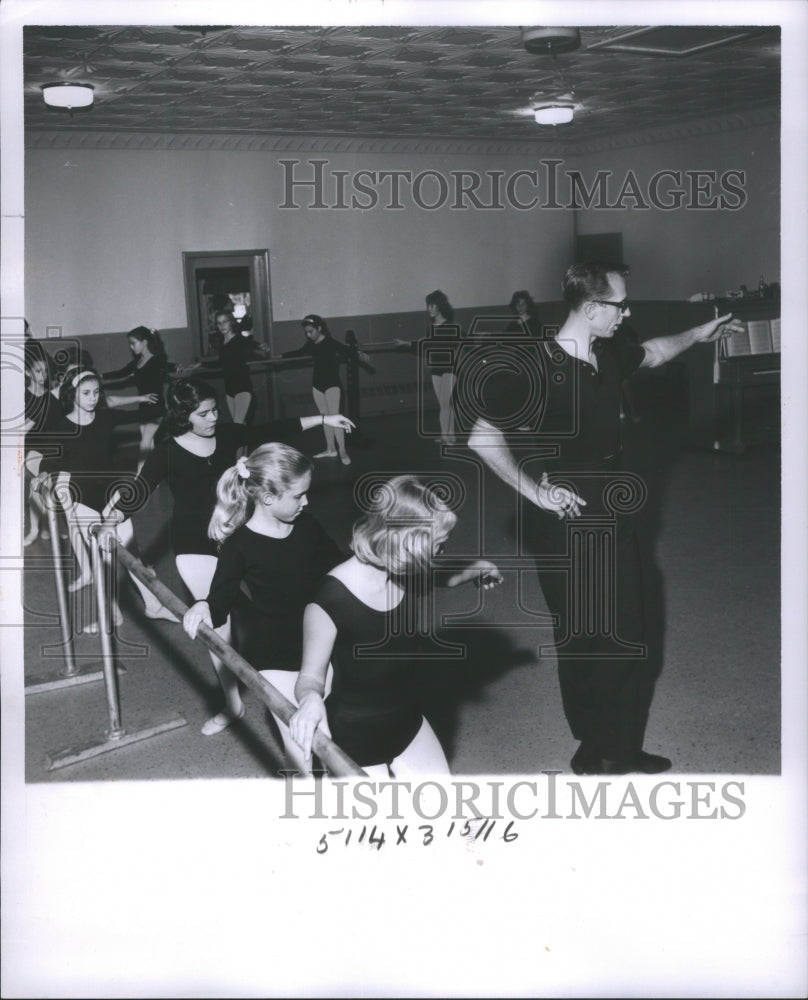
(659, 350)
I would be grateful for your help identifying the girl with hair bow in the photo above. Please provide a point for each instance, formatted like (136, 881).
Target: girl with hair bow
(272, 548)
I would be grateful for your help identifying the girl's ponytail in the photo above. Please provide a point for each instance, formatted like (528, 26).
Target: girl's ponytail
(158, 349)
(233, 504)
(270, 469)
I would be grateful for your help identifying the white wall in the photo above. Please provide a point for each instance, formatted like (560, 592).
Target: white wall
(674, 254)
(105, 230)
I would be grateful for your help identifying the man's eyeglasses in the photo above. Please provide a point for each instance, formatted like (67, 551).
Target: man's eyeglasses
(622, 305)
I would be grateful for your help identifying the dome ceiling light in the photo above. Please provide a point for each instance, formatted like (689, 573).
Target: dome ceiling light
(68, 96)
(551, 41)
(556, 104)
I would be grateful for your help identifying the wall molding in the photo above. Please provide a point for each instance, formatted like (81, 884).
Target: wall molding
(289, 144)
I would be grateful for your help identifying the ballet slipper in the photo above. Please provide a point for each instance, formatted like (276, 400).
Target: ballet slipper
(345, 460)
(220, 722)
(79, 584)
(326, 454)
(29, 538)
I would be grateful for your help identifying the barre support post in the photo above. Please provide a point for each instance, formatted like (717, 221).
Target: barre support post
(116, 736)
(70, 674)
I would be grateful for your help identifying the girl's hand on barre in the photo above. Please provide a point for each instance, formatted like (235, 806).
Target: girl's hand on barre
(195, 616)
(482, 573)
(338, 420)
(309, 717)
(488, 575)
(39, 482)
(106, 534)
(150, 397)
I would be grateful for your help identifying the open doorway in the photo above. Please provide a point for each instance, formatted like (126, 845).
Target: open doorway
(235, 280)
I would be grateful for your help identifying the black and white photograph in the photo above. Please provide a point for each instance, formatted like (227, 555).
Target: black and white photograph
(403, 534)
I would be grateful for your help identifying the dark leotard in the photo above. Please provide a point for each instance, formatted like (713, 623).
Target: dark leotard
(233, 358)
(192, 478)
(280, 575)
(149, 380)
(326, 355)
(85, 451)
(373, 709)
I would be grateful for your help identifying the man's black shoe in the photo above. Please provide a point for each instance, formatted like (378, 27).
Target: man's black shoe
(639, 763)
(651, 763)
(585, 761)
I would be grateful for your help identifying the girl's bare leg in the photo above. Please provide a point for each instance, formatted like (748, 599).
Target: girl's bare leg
(443, 386)
(197, 573)
(321, 402)
(152, 606)
(423, 756)
(238, 406)
(332, 400)
(147, 432)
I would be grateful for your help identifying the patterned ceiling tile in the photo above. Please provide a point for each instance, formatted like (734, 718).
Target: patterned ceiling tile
(386, 81)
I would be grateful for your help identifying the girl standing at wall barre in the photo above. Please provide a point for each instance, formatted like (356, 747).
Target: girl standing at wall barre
(87, 484)
(147, 370)
(235, 349)
(41, 408)
(441, 371)
(326, 385)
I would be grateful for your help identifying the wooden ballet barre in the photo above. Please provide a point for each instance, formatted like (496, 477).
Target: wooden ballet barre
(336, 761)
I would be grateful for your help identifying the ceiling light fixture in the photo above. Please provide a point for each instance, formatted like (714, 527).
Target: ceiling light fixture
(68, 95)
(555, 105)
(549, 41)
(554, 114)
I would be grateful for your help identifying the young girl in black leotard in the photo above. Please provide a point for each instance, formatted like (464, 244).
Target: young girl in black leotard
(273, 547)
(191, 460)
(41, 408)
(87, 484)
(235, 351)
(443, 330)
(366, 618)
(526, 312)
(326, 385)
(147, 370)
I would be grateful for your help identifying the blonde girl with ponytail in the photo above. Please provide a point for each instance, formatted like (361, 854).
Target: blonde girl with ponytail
(270, 546)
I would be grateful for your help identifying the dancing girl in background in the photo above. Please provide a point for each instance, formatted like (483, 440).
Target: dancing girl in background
(148, 371)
